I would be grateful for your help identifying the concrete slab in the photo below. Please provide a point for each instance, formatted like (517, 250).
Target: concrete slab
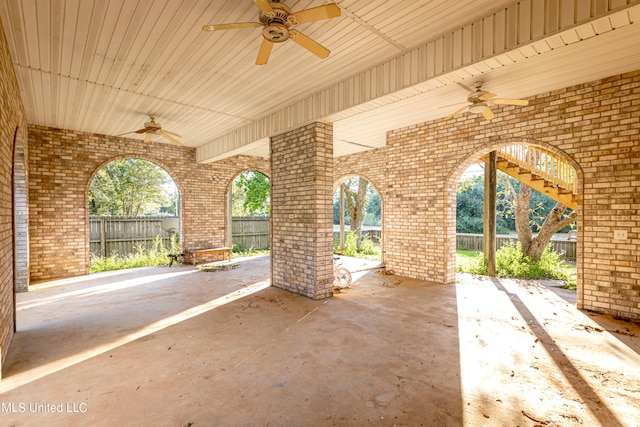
(179, 347)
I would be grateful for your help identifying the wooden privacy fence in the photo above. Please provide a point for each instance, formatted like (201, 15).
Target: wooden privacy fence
(475, 242)
(251, 232)
(123, 235)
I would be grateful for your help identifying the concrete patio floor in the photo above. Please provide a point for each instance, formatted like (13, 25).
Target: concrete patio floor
(179, 347)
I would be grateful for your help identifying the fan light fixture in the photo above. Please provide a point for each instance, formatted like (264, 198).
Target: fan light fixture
(478, 108)
(479, 101)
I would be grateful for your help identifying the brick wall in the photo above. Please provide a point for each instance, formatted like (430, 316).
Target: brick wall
(596, 126)
(12, 127)
(62, 165)
(301, 211)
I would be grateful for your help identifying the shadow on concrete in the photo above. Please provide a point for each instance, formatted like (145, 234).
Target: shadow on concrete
(598, 408)
(626, 331)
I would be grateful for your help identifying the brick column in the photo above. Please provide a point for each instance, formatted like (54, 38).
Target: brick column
(301, 211)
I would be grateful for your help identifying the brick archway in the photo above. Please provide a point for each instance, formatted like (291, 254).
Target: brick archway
(450, 204)
(376, 188)
(229, 215)
(20, 216)
(93, 174)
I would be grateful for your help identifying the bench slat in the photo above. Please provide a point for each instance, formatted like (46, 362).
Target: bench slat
(194, 252)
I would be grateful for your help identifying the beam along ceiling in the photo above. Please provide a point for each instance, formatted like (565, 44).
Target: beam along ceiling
(104, 66)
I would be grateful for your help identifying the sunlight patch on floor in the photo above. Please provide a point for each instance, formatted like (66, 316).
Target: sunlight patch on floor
(35, 374)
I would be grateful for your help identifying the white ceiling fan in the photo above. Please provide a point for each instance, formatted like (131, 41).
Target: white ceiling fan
(153, 128)
(277, 20)
(480, 101)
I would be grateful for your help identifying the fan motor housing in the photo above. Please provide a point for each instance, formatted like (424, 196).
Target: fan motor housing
(280, 15)
(152, 127)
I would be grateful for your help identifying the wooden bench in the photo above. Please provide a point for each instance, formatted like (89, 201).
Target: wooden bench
(193, 253)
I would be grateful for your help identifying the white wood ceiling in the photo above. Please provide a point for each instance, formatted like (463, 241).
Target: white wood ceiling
(102, 66)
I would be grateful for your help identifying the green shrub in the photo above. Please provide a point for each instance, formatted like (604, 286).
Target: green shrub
(366, 246)
(471, 262)
(350, 244)
(142, 257)
(241, 251)
(511, 262)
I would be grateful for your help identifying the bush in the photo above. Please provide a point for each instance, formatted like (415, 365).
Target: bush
(350, 244)
(142, 257)
(471, 262)
(511, 262)
(239, 250)
(366, 246)
(367, 249)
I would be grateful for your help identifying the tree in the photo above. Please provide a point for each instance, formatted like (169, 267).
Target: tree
(470, 205)
(533, 247)
(251, 194)
(355, 192)
(128, 187)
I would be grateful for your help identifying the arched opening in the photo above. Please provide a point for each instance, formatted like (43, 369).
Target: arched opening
(557, 178)
(20, 221)
(358, 218)
(20, 216)
(134, 210)
(249, 213)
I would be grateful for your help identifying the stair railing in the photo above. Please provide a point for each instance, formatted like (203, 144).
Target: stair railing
(543, 163)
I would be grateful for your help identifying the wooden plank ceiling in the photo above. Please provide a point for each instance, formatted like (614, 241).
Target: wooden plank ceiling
(104, 66)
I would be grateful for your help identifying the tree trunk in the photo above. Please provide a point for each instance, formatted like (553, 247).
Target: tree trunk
(533, 247)
(522, 217)
(356, 206)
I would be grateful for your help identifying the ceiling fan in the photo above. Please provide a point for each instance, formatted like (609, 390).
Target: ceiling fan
(277, 20)
(480, 101)
(153, 128)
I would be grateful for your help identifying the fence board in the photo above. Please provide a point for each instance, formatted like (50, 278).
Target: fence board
(123, 235)
(250, 232)
(474, 242)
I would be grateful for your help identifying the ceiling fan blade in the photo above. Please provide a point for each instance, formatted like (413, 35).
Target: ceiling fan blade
(134, 131)
(312, 46)
(450, 116)
(487, 96)
(315, 14)
(217, 27)
(265, 51)
(172, 133)
(511, 101)
(263, 5)
(488, 114)
(147, 138)
(170, 138)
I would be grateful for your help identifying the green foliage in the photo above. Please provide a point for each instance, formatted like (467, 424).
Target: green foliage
(373, 205)
(251, 194)
(470, 262)
(367, 249)
(511, 262)
(350, 245)
(142, 257)
(240, 251)
(366, 246)
(132, 187)
(470, 205)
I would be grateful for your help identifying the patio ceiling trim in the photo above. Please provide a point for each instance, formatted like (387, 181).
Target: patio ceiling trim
(525, 29)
